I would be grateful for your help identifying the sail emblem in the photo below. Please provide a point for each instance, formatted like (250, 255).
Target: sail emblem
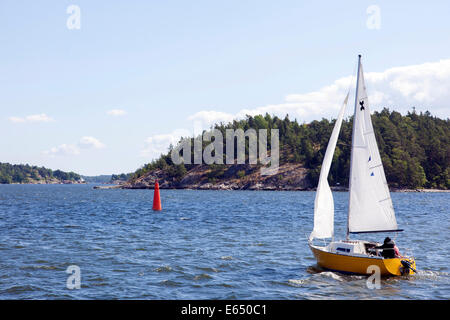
(361, 103)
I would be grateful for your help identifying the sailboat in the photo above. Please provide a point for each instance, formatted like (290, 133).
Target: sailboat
(370, 206)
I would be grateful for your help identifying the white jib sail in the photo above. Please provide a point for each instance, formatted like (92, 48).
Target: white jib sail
(323, 204)
(370, 204)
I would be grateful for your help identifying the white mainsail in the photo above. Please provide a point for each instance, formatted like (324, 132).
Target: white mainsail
(323, 204)
(370, 204)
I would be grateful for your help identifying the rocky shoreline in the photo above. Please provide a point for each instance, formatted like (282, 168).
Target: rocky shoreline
(236, 177)
(420, 190)
(51, 182)
(290, 177)
(257, 187)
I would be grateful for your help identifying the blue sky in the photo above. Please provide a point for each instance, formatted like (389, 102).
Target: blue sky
(166, 64)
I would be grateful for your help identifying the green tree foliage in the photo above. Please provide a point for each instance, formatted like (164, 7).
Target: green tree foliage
(177, 171)
(240, 174)
(415, 148)
(120, 177)
(19, 173)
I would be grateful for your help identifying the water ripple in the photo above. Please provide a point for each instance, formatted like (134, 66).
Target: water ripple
(203, 245)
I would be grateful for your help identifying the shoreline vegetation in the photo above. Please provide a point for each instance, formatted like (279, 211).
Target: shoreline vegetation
(26, 174)
(415, 150)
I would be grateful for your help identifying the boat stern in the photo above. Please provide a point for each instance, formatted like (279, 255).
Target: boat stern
(401, 266)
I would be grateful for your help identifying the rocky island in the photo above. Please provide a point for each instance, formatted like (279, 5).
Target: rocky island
(227, 177)
(415, 150)
(26, 174)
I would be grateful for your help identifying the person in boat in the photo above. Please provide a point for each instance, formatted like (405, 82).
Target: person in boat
(390, 250)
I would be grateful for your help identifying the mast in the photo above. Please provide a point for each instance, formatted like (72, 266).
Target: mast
(353, 142)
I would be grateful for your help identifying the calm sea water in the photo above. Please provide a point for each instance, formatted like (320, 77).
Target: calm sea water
(203, 245)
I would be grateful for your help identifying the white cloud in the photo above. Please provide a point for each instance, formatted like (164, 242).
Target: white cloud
(90, 142)
(158, 144)
(424, 86)
(16, 119)
(75, 149)
(32, 118)
(116, 112)
(63, 150)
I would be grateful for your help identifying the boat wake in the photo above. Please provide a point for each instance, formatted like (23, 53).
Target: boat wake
(319, 275)
(432, 275)
(316, 269)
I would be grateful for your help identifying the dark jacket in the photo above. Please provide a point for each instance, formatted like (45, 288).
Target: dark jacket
(388, 250)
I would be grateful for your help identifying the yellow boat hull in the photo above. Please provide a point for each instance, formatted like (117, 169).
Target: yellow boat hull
(359, 265)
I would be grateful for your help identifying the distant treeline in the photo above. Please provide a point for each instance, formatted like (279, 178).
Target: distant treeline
(415, 148)
(107, 178)
(121, 177)
(20, 173)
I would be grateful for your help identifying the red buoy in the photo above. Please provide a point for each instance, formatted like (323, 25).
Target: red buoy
(156, 198)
